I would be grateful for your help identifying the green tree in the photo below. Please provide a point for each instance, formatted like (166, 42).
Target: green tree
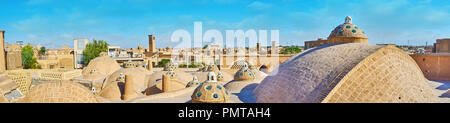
(191, 65)
(291, 50)
(93, 50)
(206, 46)
(28, 59)
(163, 62)
(42, 51)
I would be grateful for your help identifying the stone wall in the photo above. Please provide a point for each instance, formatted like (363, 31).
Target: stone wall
(22, 80)
(434, 66)
(14, 60)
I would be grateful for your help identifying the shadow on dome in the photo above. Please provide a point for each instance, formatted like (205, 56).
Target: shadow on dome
(246, 95)
(445, 95)
(445, 85)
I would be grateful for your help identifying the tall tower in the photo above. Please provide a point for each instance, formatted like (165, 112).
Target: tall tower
(79, 45)
(2, 51)
(151, 43)
(258, 47)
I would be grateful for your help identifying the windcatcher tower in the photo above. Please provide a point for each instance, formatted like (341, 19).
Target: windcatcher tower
(151, 43)
(2, 51)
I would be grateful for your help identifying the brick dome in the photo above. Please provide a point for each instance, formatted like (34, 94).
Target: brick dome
(193, 83)
(60, 92)
(212, 68)
(353, 72)
(245, 73)
(210, 91)
(347, 33)
(104, 65)
(141, 79)
(170, 65)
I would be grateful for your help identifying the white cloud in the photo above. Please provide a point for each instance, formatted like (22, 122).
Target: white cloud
(34, 23)
(259, 6)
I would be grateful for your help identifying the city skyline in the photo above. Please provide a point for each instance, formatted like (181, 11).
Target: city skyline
(53, 23)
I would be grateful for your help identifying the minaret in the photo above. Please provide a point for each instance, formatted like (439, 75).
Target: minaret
(151, 43)
(2, 51)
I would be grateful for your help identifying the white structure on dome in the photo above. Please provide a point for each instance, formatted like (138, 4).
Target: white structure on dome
(348, 19)
(211, 77)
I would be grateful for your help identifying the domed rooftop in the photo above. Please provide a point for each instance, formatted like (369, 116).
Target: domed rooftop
(245, 76)
(140, 80)
(102, 54)
(171, 73)
(193, 83)
(240, 63)
(60, 92)
(104, 65)
(210, 91)
(352, 72)
(170, 65)
(203, 76)
(93, 75)
(117, 89)
(220, 76)
(212, 68)
(245, 73)
(156, 77)
(113, 91)
(347, 33)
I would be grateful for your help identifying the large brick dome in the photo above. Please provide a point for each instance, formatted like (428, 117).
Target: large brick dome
(103, 65)
(60, 92)
(353, 72)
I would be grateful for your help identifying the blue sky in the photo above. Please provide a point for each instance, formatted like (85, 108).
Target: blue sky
(127, 23)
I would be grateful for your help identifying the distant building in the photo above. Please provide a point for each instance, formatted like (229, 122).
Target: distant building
(57, 58)
(14, 60)
(79, 45)
(442, 46)
(19, 42)
(315, 43)
(113, 51)
(435, 65)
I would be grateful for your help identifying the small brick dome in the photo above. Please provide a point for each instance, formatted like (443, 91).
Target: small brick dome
(193, 83)
(245, 73)
(210, 91)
